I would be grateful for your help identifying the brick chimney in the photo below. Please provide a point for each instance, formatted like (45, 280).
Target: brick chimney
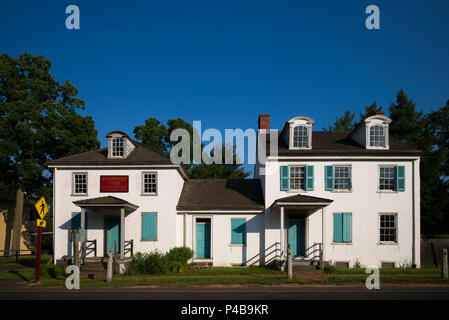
(264, 121)
(380, 113)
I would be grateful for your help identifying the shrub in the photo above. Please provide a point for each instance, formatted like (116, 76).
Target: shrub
(329, 268)
(156, 263)
(180, 254)
(148, 263)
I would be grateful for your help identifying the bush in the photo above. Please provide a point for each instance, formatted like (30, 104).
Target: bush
(148, 263)
(179, 254)
(329, 268)
(156, 263)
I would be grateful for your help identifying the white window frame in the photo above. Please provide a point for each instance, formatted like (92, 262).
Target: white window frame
(114, 147)
(304, 177)
(378, 178)
(74, 187)
(143, 183)
(350, 178)
(307, 129)
(396, 226)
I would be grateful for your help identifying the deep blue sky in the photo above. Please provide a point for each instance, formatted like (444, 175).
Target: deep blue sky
(224, 62)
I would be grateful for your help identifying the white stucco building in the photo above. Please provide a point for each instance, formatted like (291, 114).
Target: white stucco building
(345, 198)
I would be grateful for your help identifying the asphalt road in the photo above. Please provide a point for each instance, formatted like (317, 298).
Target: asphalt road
(259, 293)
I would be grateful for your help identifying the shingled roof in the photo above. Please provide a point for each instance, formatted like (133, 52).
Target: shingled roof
(140, 155)
(337, 143)
(221, 194)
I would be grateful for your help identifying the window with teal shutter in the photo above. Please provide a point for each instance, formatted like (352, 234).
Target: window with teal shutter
(329, 178)
(149, 226)
(309, 178)
(342, 227)
(338, 228)
(400, 178)
(238, 235)
(284, 178)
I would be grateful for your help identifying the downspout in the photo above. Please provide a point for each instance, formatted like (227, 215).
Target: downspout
(413, 215)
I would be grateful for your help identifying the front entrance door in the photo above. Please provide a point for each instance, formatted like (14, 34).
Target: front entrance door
(112, 233)
(203, 239)
(296, 237)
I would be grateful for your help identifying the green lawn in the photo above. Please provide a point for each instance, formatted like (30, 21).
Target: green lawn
(28, 261)
(388, 271)
(54, 276)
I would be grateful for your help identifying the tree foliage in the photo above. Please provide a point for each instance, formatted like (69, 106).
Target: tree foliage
(156, 135)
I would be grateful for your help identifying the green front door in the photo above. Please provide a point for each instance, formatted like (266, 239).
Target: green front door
(203, 240)
(296, 237)
(113, 233)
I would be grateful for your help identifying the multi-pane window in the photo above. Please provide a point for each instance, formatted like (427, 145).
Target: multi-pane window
(342, 177)
(149, 182)
(117, 147)
(300, 137)
(387, 177)
(297, 177)
(388, 227)
(80, 183)
(377, 136)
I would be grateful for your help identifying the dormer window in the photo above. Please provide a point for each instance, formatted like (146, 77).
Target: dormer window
(120, 145)
(300, 137)
(377, 136)
(117, 147)
(297, 133)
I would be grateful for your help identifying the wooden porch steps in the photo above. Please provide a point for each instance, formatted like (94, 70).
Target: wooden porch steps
(94, 267)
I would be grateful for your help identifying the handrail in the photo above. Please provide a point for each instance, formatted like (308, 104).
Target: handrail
(91, 246)
(129, 247)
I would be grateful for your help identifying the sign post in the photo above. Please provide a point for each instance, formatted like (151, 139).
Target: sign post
(42, 209)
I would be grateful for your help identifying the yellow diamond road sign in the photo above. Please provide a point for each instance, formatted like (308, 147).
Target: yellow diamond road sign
(41, 207)
(41, 223)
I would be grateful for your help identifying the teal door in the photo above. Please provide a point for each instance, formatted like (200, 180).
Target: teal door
(296, 237)
(113, 233)
(203, 240)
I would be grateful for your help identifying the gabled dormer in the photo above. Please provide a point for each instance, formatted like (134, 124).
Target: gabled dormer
(297, 133)
(373, 132)
(119, 145)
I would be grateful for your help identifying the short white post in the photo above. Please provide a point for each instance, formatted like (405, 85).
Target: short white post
(282, 235)
(289, 263)
(444, 262)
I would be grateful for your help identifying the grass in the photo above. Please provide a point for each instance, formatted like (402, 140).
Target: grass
(53, 276)
(388, 271)
(28, 261)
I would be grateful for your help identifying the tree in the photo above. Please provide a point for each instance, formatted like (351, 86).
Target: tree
(370, 110)
(156, 136)
(407, 123)
(39, 122)
(344, 123)
(435, 172)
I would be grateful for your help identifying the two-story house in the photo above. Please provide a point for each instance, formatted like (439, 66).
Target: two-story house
(342, 197)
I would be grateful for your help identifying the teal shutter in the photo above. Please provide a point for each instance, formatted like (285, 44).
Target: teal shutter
(400, 178)
(309, 178)
(338, 227)
(149, 226)
(329, 178)
(347, 227)
(238, 235)
(76, 223)
(285, 178)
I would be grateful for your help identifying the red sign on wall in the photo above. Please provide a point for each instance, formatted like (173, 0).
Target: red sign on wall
(114, 184)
